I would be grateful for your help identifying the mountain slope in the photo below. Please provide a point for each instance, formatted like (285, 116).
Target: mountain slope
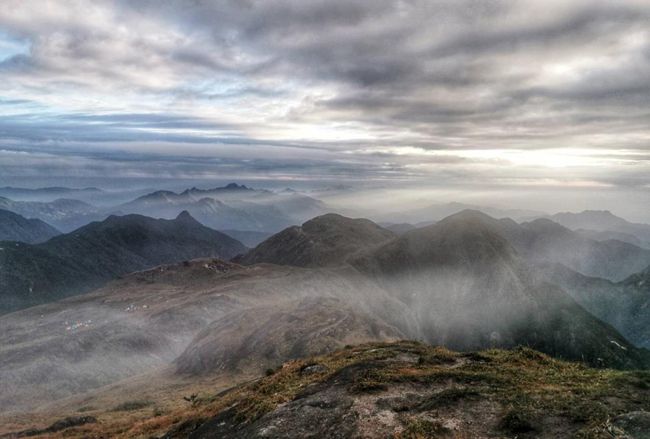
(64, 214)
(325, 240)
(203, 318)
(603, 221)
(14, 227)
(470, 289)
(84, 259)
(625, 305)
(543, 240)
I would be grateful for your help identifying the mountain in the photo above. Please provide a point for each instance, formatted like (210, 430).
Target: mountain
(232, 207)
(46, 193)
(202, 319)
(470, 289)
(436, 212)
(249, 238)
(325, 240)
(398, 228)
(604, 221)
(64, 214)
(174, 327)
(543, 240)
(88, 257)
(272, 334)
(607, 235)
(625, 304)
(14, 227)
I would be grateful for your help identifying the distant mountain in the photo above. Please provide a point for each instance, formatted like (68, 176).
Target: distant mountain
(249, 238)
(604, 221)
(607, 235)
(232, 207)
(625, 305)
(46, 193)
(64, 214)
(325, 240)
(436, 212)
(538, 241)
(398, 228)
(14, 227)
(543, 240)
(88, 257)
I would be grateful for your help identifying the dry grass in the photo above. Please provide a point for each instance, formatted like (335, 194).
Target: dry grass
(529, 385)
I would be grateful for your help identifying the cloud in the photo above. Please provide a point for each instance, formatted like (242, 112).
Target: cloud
(329, 81)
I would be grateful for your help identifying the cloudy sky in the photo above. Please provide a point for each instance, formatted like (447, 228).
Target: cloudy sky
(458, 93)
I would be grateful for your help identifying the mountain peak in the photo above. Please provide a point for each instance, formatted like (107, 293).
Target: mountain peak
(185, 216)
(236, 186)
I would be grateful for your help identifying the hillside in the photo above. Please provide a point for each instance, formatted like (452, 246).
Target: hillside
(469, 289)
(14, 227)
(625, 305)
(547, 241)
(325, 240)
(62, 213)
(400, 390)
(605, 221)
(88, 257)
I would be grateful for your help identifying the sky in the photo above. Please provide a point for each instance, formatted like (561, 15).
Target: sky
(539, 95)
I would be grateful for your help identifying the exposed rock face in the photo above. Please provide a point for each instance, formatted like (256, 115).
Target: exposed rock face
(323, 241)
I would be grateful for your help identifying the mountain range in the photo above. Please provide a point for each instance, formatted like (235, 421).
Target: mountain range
(459, 282)
(232, 207)
(606, 225)
(468, 282)
(64, 214)
(88, 257)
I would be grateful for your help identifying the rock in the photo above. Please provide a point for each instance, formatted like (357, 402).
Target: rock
(635, 424)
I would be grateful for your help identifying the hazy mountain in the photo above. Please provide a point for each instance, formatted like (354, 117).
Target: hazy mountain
(604, 221)
(543, 240)
(200, 313)
(64, 214)
(625, 305)
(470, 289)
(325, 240)
(46, 193)
(607, 235)
(458, 282)
(436, 212)
(14, 227)
(84, 259)
(249, 238)
(232, 207)
(272, 334)
(398, 228)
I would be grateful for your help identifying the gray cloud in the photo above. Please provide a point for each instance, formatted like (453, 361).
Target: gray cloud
(331, 80)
